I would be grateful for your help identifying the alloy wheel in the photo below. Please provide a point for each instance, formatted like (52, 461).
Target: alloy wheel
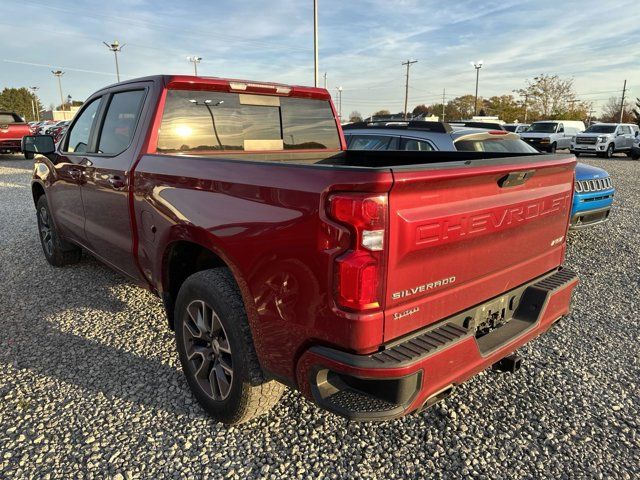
(208, 350)
(45, 230)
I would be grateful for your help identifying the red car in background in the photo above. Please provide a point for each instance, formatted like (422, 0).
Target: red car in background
(12, 129)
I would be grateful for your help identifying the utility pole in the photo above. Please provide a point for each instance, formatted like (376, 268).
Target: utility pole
(36, 112)
(572, 103)
(115, 47)
(526, 106)
(195, 60)
(478, 66)
(325, 80)
(315, 43)
(59, 73)
(443, 95)
(339, 103)
(408, 64)
(624, 91)
(591, 112)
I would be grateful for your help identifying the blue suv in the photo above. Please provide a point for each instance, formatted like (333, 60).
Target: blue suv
(593, 194)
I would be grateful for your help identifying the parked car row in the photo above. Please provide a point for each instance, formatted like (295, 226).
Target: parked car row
(594, 191)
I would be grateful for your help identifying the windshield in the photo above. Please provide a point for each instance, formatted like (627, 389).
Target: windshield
(510, 128)
(497, 144)
(545, 127)
(601, 129)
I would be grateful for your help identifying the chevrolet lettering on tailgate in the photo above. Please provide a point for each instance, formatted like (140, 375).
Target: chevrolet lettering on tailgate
(446, 229)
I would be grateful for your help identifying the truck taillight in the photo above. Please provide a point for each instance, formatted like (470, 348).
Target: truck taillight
(360, 271)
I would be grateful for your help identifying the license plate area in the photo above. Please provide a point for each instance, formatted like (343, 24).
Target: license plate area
(494, 314)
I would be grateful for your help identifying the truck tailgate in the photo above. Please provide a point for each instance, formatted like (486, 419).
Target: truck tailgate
(460, 236)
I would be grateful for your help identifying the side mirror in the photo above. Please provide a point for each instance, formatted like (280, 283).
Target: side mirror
(42, 144)
(637, 132)
(561, 130)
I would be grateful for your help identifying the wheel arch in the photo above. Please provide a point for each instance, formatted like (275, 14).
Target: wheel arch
(190, 254)
(37, 191)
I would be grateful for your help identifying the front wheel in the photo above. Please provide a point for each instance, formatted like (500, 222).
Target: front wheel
(28, 156)
(553, 148)
(216, 349)
(610, 151)
(57, 252)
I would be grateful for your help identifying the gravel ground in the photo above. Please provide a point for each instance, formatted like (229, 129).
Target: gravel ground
(90, 385)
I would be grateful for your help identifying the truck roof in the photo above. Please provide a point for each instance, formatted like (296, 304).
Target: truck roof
(230, 85)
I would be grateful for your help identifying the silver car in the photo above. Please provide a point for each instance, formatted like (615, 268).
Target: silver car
(605, 139)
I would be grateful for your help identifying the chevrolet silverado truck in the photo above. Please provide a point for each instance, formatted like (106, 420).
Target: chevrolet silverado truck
(12, 129)
(372, 282)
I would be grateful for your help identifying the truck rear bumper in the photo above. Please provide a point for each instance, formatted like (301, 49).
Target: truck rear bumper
(425, 366)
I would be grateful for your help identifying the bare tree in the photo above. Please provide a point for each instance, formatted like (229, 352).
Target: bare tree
(549, 96)
(355, 116)
(611, 112)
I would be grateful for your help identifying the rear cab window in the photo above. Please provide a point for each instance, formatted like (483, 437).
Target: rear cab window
(7, 118)
(203, 122)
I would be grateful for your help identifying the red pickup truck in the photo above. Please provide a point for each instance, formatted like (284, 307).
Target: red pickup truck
(12, 129)
(372, 282)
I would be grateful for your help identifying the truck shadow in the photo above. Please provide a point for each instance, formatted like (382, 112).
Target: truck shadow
(76, 325)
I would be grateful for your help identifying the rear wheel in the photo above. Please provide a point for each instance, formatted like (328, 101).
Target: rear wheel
(216, 349)
(57, 252)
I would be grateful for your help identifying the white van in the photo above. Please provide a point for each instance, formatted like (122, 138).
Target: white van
(549, 135)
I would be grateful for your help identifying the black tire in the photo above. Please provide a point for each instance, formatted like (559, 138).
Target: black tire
(610, 151)
(28, 155)
(57, 252)
(553, 147)
(220, 349)
(577, 154)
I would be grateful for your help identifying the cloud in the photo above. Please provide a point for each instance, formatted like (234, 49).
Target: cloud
(362, 44)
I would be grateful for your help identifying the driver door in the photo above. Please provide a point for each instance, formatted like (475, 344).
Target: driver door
(64, 193)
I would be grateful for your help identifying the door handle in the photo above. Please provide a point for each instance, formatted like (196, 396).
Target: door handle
(75, 173)
(116, 182)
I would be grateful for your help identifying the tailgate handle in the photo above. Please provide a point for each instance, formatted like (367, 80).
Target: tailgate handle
(513, 179)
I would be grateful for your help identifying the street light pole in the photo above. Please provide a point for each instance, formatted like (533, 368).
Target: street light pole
(315, 43)
(59, 73)
(115, 47)
(36, 113)
(195, 60)
(339, 102)
(478, 66)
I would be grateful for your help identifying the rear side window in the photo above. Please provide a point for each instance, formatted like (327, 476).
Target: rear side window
(494, 145)
(80, 133)
(414, 145)
(120, 122)
(200, 122)
(372, 142)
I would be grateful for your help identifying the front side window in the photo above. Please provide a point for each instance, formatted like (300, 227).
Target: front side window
(80, 133)
(200, 122)
(120, 122)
